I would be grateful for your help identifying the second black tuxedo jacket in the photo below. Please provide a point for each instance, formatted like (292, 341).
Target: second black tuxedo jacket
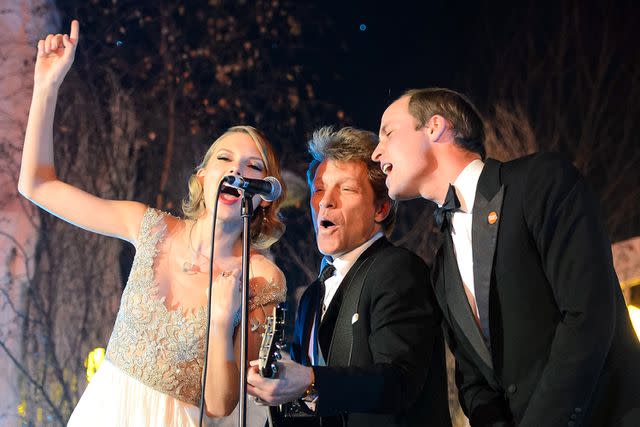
(384, 350)
(562, 351)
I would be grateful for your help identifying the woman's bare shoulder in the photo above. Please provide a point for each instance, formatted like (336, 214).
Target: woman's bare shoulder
(174, 224)
(263, 266)
(268, 284)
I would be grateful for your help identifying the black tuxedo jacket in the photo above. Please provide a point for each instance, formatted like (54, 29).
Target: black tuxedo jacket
(561, 349)
(382, 341)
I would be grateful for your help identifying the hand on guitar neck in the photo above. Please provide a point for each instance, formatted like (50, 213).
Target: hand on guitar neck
(274, 379)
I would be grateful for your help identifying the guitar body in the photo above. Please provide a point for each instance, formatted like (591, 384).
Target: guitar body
(280, 416)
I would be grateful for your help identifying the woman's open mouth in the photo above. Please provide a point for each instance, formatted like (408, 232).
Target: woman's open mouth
(229, 195)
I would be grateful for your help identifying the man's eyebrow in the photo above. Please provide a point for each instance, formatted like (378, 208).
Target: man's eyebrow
(350, 180)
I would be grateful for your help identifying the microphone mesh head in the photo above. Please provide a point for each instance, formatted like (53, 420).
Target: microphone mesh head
(276, 189)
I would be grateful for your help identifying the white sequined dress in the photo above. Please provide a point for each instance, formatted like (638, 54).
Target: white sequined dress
(153, 365)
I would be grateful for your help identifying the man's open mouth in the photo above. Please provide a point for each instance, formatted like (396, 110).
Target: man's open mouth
(325, 223)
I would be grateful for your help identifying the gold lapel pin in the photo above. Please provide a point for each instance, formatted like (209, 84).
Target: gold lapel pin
(492, 218)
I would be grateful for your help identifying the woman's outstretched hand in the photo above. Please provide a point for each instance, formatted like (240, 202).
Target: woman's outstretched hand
(55, 56)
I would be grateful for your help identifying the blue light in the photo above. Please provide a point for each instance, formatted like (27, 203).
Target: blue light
(119, 43)
(363, 27)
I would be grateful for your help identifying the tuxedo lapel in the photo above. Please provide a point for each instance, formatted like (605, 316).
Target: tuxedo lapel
(458, 303)
(438, 279)
(308, 311)
(487, 210)
(327, 325)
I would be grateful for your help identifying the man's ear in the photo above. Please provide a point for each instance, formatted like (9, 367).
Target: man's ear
(382, 211)
(435, 128)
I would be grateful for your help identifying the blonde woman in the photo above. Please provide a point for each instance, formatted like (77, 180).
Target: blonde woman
(152, 371)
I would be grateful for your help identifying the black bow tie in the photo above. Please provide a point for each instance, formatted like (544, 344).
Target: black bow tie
(443, 213)
(326, 273)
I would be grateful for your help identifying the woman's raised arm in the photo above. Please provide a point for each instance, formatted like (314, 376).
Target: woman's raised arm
(38, 180)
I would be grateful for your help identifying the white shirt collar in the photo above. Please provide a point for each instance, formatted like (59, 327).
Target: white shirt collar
(466, 184)
(345, 261)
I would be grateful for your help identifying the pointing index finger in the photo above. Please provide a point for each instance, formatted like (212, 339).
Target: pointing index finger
(75, 30)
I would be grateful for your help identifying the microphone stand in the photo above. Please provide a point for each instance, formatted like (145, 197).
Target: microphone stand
(203, 380)
(246, 211)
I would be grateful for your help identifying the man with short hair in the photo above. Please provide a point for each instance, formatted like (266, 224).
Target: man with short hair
(368, 348)
(524, 274)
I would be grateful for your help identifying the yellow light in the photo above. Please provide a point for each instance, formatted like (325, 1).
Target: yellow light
(634, 313)
(22, 408)
(93, 361)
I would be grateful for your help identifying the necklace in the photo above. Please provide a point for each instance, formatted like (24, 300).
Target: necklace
(194, 267)
(190, 268)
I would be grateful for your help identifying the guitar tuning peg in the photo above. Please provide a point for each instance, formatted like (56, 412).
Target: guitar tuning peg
(274, 370)
(277, 355)
(280, 345)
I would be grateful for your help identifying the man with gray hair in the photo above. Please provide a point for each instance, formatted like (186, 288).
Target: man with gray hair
(367, 348)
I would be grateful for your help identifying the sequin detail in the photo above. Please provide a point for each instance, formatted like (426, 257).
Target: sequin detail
(164, 348)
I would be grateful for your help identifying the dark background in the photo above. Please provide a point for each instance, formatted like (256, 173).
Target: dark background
(557, 76)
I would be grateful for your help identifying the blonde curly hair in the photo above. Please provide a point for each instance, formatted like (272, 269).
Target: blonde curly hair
(266, 224)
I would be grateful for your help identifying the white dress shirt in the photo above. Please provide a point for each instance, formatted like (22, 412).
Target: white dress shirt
(343, 264)
(461, 222)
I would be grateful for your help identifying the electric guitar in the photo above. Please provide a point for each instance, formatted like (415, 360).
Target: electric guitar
(272, 342)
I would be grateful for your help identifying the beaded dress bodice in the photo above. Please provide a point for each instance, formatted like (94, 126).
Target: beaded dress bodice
(162, 348)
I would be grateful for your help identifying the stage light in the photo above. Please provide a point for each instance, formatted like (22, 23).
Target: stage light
(363, 27)
(93, 361)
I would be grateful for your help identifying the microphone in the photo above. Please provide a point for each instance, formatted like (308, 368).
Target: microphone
(269, 189)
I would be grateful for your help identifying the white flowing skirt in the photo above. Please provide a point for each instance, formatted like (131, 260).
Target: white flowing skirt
(114, 399)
